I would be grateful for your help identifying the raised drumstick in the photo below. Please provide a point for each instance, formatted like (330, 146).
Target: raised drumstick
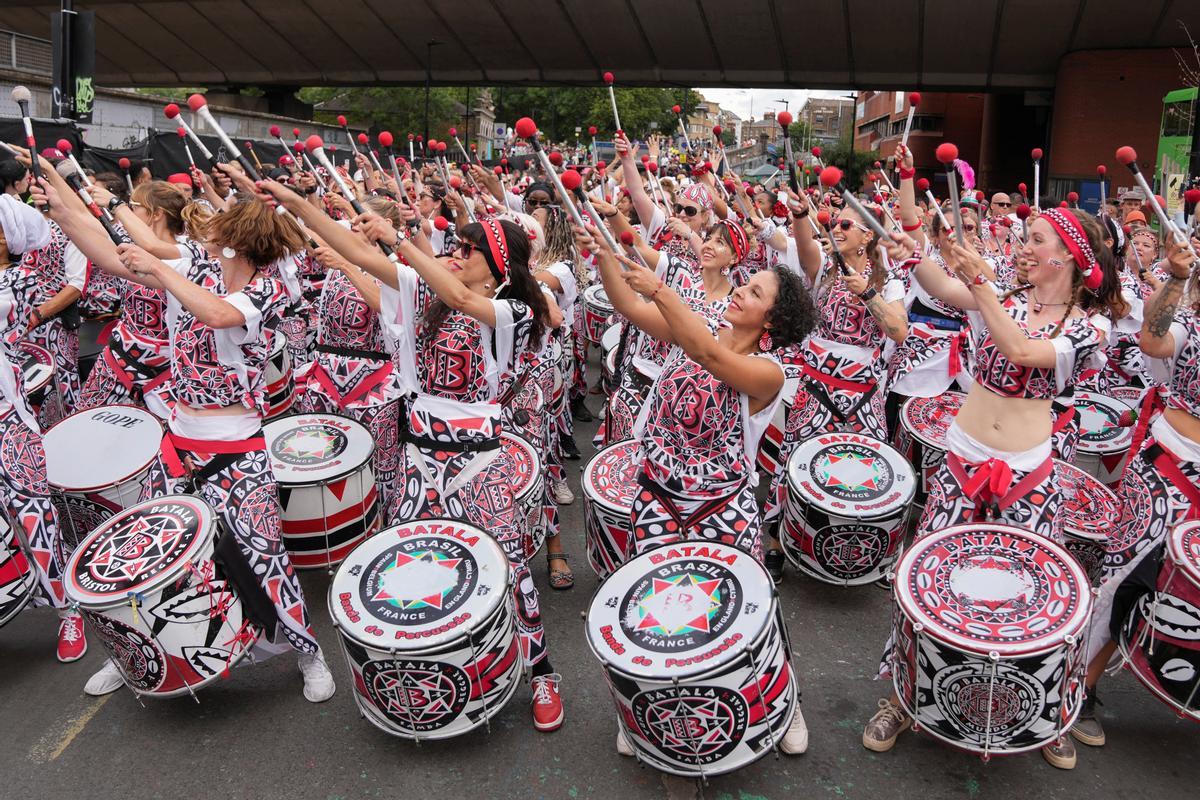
(21, 97)
(612, 97)
(68, 150)
(171, 111)
(947, 153)
(1036, 155)
(124, 164)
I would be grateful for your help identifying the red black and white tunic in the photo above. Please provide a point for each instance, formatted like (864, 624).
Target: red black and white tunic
(934, 352)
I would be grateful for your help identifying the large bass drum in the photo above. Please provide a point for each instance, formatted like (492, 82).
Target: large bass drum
(151, 592)
(924, 422)
(988, 654)
(1090, 513)
(425, 614)
(696, 654)
(609, 486)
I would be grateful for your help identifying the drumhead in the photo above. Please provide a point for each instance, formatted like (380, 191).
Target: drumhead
(526, 464)
(611, 337)
(983, 587)
(316, 448)
(851, 475)
(680, 610)
(928, 419)
(101, 447)
(1099, 428)
(1183, 548)
(38, 367)
(595, 297)
(610, 477)
(138, 550)
(418, 585)
(1089, 510)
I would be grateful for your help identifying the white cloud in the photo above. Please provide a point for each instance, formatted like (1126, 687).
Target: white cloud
(742, 101)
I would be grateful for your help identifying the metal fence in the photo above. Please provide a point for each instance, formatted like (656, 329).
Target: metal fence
(26, 54)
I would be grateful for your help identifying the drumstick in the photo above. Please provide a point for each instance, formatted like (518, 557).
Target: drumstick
(592, 131)
(69, 170)
(914, 100)
(171, 111)
(816, 153)
(1036, 155)
(1023, 212)
(199, 107)
(317, 148)
(784, 118)
(21, 96)
(124, 164)
(831, 178)
(1102, 170)
(250, 146)
(824, 219)
(1128, 156)
(572, 181)
(349, 137)
(682, 128)
(411, 157)
(627, 239)
(947, 153)
(67, 149)
(183, 139)
(385, 141)
(612, 97)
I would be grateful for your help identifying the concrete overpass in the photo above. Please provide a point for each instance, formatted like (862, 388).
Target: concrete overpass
(965, 45)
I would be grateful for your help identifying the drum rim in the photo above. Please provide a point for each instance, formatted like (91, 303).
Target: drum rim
(348, 472)
(898, 508)
(1149, 681)
(18, 536)
(37, 349)
(1121, 444)
(536, 479)
(498, 597)
(586, 483)
(112, 484)
(902, 600)
(1174, 551)
(918, 435)
(592, 292)
(607, 663)
(1098, 537)
(205, 538)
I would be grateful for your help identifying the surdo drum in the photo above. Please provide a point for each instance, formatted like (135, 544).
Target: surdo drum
(150, 591)
(924, 422)
(524, 470)
(609, 486)
(989, 647)
(1103, 441)
(843, 519)
(1161, 638)
(609, 343)
(696, 655)
(425, 615)
(37, 371)
(281, 382)
(1090, 513)
(596, 311)
(18, 580)
(327, 494)
(96, 464)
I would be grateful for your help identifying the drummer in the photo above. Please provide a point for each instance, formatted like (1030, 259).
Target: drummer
(23, 487)
(1030, 342)
(713, 400)
(1161, 485)
(218, 314)
(457, 325)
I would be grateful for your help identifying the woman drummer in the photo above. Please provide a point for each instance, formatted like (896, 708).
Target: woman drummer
(219, 310)
(23, 488)
(1030, 343)
(138, 354)
(699, 430)
(458, 326)
(1161, 484)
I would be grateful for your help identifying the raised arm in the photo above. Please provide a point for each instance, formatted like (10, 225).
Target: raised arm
(1157, 341)
(644, 315)
(633, 181)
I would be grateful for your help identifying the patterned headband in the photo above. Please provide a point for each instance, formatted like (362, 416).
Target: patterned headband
(737, 237)
(698, 194)
(498, 245)
(1073, 236)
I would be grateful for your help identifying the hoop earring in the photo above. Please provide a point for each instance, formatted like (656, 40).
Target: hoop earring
(764, 341)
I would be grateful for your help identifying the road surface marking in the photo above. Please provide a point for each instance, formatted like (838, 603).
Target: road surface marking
(52, 745)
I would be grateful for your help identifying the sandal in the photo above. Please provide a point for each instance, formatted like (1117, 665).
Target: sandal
(560, 580)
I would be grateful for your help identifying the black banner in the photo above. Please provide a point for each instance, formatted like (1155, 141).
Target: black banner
(74, 38)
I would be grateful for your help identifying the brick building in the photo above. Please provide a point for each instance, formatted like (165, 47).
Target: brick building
(829, 119)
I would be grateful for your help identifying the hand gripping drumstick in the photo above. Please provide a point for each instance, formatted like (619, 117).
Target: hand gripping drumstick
(572, 181)
(831, 178)
(1128, 156)
(612, 97)
(124, 164)
(68, 150)
(21, 96)
(947, 153)
(317, 148)
(70, 172)
(171, 111)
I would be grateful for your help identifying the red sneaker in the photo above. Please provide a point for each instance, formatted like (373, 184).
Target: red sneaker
(71, 642)
(547, 704)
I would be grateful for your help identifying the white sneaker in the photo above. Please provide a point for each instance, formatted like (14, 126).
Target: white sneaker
(624, 748)
(795, 741)
(562, 494)
(318, 680)
(106, 681)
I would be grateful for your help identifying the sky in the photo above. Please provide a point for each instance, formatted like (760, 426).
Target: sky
(739, 100)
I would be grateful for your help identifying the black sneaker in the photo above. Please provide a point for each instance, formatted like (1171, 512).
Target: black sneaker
(580, 410)
(1087, 728)
(570, 450)
(773, 561)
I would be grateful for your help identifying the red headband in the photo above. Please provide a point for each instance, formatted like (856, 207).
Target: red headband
(739, 243)
(1067, 226)
(498, 245)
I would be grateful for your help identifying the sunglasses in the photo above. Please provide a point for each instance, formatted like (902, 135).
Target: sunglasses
(466, 248)
(537, 203)
(691, 211)
(847, 224)
(1003, 205)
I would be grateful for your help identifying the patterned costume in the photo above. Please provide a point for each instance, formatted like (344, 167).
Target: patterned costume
(54, 267)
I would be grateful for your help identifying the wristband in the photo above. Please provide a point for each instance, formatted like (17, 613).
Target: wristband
(979, 280)
(910, 228)
(656, 289)
(907, 174)
(115, 203)
(868, 295)
(37, 313)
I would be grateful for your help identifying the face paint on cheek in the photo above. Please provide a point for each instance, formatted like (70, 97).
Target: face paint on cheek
(1054, 262)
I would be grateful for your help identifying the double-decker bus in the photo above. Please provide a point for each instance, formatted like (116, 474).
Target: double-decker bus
(1175, 144)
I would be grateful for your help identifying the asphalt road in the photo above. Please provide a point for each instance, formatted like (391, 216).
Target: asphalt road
(254, 736)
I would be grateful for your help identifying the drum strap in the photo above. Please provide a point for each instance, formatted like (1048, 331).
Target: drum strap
(434, 445)
(122, 362)
(353, 352)
(1063, 419)
(318, 374)
(226, 452)
(1167, 464)
(818, 380)
(702, 513)
(1152, 406)
(990, 484)
(958, 343)
(256, 603)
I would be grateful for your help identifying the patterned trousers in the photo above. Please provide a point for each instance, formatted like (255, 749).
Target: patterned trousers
(26, 497)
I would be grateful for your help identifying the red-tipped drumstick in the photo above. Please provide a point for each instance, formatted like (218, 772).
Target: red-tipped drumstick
(316, 149)
(947, 153)
(69, 151)
(172, 112)
(277, 134)
(250, 146)
(682, 128)
(1036, 155)
(914, 100)
(1128, 156)
(124, 164)
(831, 178)
(21, 96)
(784, 118)
(349, 136)
(612, 97)
(1023, 212)
(199, 106)
(923, 186)
(825, 219)
(592, 131)
(181, 132)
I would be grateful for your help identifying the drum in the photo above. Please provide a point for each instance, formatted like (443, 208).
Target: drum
(147, 585)
(609, 486)
(281, 383)
(424, 612)
(527, 476)
(37, 371)
(1161, 638)
(1103, 440)
(596, 311)
(526, 412)
(96, 464)
(327, 494)
(768, 458)
(608, 374)
(18, 578)
(844, 515)
(1090, 512)
(1129, 395)
(697, 657)
(989, 652)
(924, 422)
(94, 333)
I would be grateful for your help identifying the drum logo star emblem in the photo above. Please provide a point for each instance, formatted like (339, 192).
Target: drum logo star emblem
(136, 549)
(418, 580)
(851, 471)
(693, 725)
(680, 605)
(309, 444)
(418, 695)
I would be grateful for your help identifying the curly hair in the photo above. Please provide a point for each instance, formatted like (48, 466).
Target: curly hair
(793, 316)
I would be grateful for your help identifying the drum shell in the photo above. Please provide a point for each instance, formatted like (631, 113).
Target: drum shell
(805, 528)
(1160, 638)
(768, 458)
(925, 449)
(320, 526)
(1103, 458)
(280, 379)
(596, 313)
(529, 503)
(18, 578)
(37, 372)
(1106, 468)
(1086, 537)
(491, 645)
(607, 524)
(168, 646)
(733, 686)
